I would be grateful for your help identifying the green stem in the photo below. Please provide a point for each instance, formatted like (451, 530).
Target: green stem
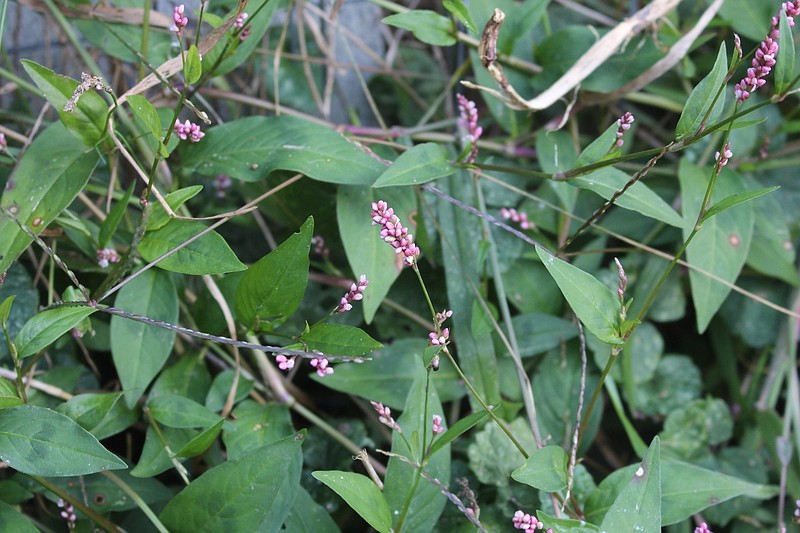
(138, 500)
(77, 504)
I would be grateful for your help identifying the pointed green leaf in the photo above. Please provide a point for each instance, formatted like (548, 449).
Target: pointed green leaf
(154, 458)
(639, 197)
(599, 147)
(41, 442)
(361, 494)
(12, 519)
(145, 111)
(101, 414)
(457, 8)
(178, 412)
(251, 148)
(5, 310)
(209, 254)
(701, 98)
(736, 199)
(556, 151)
(308, 516)
(87, 120)
(254, 426)
(46, 327)
(545, 469)
(110, 224)
(51, 173)
(784, 63)
(159, 217)
(421, 164)
(722, 244)
(8, 395)
(457, 429)
(192, 68)
(427, 26)
(593, 303)
(339, 339)
(201, 442)
(252, 493)
(638, 506)
(140, 350)
(772, 252)
(272, 289)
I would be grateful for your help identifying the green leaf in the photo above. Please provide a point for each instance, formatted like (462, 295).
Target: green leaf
(457, 8)
(545, 469)
(427, 26)
(50, 174)
(736, 199)
(457, 429)
(566, 525)
(209, 254)
(599, 147)
(638, 506)
(784, 63)
(254, 426)
(154, 458)
(366, 252)
(639, 197)
(159, 217)
(223, 382)
(101, 494)
(140, 350)
(145, 111)
(421, 164)
(556, 151)
(492, 455)
(361, 494)
(12, 519)
(593, 303)
(8, 395)
(87, 120)
(5, 310)
(272, 289)
(252, 493)
(307, 516)
(101, 414)
(722, 244)
(110, 224)
(251, 148)
(189, 377)
(46, 327)
(179, 412)
(702, 97)
(201, 442)
(339, 339)
(538, 332)
(771, 252)
(192, 68)
(41, 442)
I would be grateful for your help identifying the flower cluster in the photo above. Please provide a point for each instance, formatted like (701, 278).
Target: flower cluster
(519, 218)
(439, 339)
(188, 130)
(723, 157)
(67, 513)
(240, 24)
(526, 522)
(437, 425)
(322, 366)
(355, 293)
(106, 256)
(285, 363)
(444, 315)
(468, 123)
(178, 20)
(764, 58)
(222, 183)
(623, 124)
(393, 232)
(3, 142)
(385, 416)
(702, 528)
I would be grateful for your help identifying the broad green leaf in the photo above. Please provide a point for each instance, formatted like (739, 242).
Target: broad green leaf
(46, 327)
(110, 224)
(101, 414)
(145, 111)
(87, 120)
(178, 412)
(192, 68)
(639, 197)
(676, 382)
(251, 148)
(209, 254)
(638, 506)
(772, 251)
(492, 455)
(457, 8)
(427, 502)
(457, 429)
(51, 173)
(686, 489)
(690, 430)
(784, 62)
(228, 54)
(41, 442)
(421, 164)
(11, 519)
(339, 339)
(361, 494)
(555, 151)
(427, 26)
(8, 395)
(140, 350)
(159, 217)
(252, 493)
(747, 18)
(366, 251)
(201, 442)
(736, 199)
(722, 244)
(593, 303)
(154, 458)
(221, 387)
(272, 289)
(701, 98)
(254, 426)
(545, 469)
(599, 147)
(189, 377)
(308, 516)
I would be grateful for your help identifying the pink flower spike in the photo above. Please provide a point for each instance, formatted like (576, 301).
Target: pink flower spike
(437, 424)
(436, 339)
(385, 416)
(3, 142)
(468, 124)
(526, 522)
(284, 363)
(179, 21)
(188, 130)
(321, 364)
(520, 218)
(702, 528)
(394, 233)
(355, 293)
(106, 256)
(723, 158)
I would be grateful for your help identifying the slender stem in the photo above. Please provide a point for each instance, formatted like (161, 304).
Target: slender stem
(101, 520)
(138, 500)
